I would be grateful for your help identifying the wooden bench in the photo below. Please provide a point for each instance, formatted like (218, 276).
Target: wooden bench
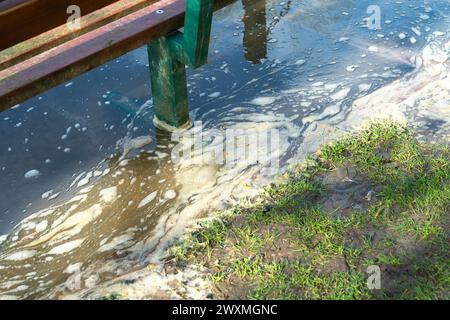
(40, 51)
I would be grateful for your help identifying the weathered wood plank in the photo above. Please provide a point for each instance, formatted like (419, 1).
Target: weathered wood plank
(50, 68)
(61, 34)
(6, 5)
(22, 20)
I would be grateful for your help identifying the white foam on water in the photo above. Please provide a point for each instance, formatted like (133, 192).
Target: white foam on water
(69, 227)
(305, 104)
(47, 194)
(130, 144)
(72, 268)
(364, 87)
(32, 174)
(341, 94)
(97, 173)
(22, 287)
(116, 243)
(28, 225)
(161, 155)
(170, 194)
(66, 247)
(332, 86)
(8, 297)
(41, 226)
(21, 255)
(328, 111)
(10, 283)
(109, 194)
(214, 95)
(149, 198)
(85, 190)
(85, 180)
(263, 101)
(76, 179)
(352, 68)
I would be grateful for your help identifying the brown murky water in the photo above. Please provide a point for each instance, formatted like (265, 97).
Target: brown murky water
(90, 189)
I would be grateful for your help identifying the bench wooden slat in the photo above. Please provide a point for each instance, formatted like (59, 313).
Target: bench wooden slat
(6, 5)
(61, 34)
(31, 18)
(50, 68)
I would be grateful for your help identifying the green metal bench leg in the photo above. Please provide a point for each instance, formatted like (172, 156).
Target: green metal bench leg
(168, 77)
(168, 57)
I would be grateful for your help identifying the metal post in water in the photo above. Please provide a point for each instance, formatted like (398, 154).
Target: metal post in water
(168, 57)
(169, 87)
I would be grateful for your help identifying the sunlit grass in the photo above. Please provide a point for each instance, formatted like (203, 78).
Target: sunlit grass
(287, 247)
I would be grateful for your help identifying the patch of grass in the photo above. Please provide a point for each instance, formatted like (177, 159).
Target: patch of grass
(201, 242)
(294, 281)
(384, 151)
(288, 246)
(386, 259)
(112, 296)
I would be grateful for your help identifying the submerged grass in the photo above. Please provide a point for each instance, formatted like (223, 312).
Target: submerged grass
(378, 197)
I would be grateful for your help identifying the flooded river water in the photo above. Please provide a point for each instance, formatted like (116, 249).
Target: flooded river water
(91, 190)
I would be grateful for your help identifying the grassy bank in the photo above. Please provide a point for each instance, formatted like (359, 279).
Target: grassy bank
(378, 197)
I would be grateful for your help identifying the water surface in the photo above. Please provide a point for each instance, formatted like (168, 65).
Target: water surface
(86, 179)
